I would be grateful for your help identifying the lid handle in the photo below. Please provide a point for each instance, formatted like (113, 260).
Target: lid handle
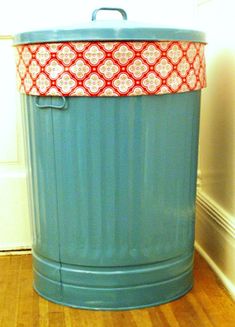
(122, 12)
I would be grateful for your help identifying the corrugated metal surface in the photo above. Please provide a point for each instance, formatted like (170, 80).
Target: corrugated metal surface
(113, 182)
(42, 181)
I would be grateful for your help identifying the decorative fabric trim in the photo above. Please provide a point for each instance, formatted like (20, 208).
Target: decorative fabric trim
(110, 68)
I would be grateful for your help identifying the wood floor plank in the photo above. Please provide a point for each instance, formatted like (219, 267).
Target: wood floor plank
(87, 318)
(185, 313)
(169, 314)
(201, 313)
(4, 268)
(142, 315)
(36, 314)
(209, 291)
(43, 313)
(67, 317)
(76, 318)
(92, 317)
(204, 298)
(11, 297)
(207, 305)
(123, 318)
(25, 315)
(56, 315)
(107, 317)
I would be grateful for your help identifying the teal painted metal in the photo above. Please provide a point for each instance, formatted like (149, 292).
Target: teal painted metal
(113, 184)
(110, 30)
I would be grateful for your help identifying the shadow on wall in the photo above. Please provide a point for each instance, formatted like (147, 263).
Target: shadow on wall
(217, 134)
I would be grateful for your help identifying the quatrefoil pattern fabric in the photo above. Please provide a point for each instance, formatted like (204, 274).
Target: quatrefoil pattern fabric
(110, 68)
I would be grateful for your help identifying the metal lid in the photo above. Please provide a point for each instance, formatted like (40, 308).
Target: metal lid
(109, 31)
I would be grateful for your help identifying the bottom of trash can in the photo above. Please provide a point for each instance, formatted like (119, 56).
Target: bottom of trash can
(107, 289)
(68, 304)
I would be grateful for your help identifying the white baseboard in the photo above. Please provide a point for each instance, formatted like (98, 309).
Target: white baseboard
(216, 213)
(215, 239)
(15, 249)
(11, 247)
(15, 252)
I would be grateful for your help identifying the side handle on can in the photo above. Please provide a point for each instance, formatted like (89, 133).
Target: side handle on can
(61, 106)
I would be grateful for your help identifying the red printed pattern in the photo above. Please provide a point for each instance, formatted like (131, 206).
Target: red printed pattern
(110, 68)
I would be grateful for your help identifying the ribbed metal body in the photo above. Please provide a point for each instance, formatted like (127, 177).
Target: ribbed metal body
(113, 189)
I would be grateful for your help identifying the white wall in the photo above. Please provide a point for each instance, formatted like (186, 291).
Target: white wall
(216, 196)
(28, 15)
(14, 218)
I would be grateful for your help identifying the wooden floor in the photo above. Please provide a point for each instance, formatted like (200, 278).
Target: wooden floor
(206, 305)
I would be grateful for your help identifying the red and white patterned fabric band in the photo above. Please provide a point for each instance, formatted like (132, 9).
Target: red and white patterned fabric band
(110, 68)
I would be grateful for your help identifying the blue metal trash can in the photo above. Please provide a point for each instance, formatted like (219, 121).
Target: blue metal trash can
(111, 113)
